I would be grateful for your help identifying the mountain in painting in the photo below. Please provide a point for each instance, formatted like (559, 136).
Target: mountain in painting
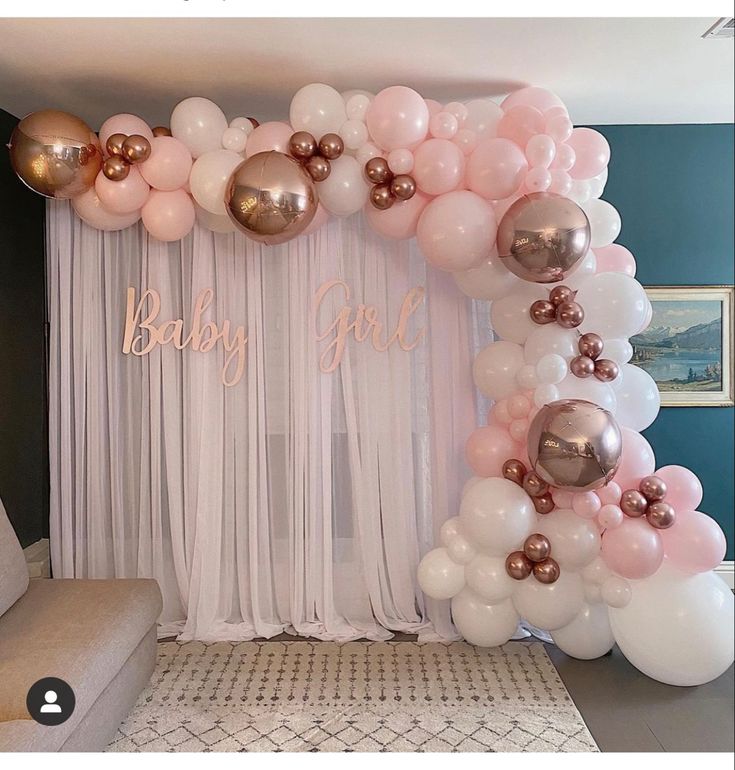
(699, 337)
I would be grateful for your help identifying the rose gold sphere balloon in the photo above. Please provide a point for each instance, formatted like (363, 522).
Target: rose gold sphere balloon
(302, 145)
(661, 515)
(55, 154)
(331, 146)
(318, 168)
(114, 144)
(652, 488)
(574, 445)
(590, 345)
(115, 168)
(518, 565)
(581, 366)
(537, 547)
(381, 197)
(534, 485)
(377, 171)
(403, 187)
(271, 198)
(561, 294)
(542, 237)
(161, 131)
(136, 149)
(569, 315)
(547, 571)
(514, 470)
(606, 370)
(633, 504)
(543, 312)
(543, 503)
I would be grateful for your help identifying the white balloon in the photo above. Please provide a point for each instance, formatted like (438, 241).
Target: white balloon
(469, 484)
(510, 316)
(526, 377)
(551, 369)
(490, 280)
(488, 578)
(614, 305)
(638, 398)
(345, 190)
(483, 117)
(356, 105)
(209, 176)
(486, 625)
(588, 389)
(604, 222)
(234, 139)
(616, 592)
(677, 628)
(497, 516)
(199, 123)
(449, 530)
(584, 269)
(597, 183)
(588, 636)
(495, 369)
(244, 124)
(439, 576)
(596, 572)
(550, 606)
(217, 223)
(592, 593)
(575, 542)
(618, 350)
(551, 338)
(367, 151)
(461, 550)
(317, 108)
(354, 134)
(545, 394)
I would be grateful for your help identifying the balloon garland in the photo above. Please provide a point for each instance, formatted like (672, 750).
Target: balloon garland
(567, 523)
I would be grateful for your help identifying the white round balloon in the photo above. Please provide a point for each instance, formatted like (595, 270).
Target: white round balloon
(616, 592)
(551, 369)
(209, 176)
(345, 190)
(604, 221)
(488, 578)
(614, 305)
(550, 606)
(618, 350)
(589, 389)
(449, 530)
(489, 281)
(583, 270)
(588, 636)
(510, 316)
(318, 109)
(486, 625)
(461, 550)
(638, 398)
(551, 338)
(199, 123)
(575, 542)
(495, 369)
(439, 576)
(217, 223)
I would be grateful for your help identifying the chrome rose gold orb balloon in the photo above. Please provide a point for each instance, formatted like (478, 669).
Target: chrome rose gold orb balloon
(537, 547)
(543, 237)
(271, 198)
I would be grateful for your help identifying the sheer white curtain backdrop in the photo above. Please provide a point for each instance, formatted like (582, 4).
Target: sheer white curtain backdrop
(293, 501)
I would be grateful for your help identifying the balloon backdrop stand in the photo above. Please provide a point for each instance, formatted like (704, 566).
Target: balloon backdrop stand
(566, 523)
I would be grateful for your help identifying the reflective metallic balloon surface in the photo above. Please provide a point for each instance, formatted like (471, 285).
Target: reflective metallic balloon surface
(574, 445)
(542, 237)
(56, 154)
(271, 198)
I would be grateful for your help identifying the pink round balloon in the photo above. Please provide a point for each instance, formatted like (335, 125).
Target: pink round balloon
(610, 516)
(320, 219)
(561, 498)
(537, 179)
(272, 135)
(496, 169)
(456, 231)
(695, 543)
(438, 166)
(636, 460)
(634, 550)
(466, 140)
(169, 164)
(397, 117)
(125, 196)
(124, 123)
(521, 123)
(433, 106)
(400, 220)
(592, 152)
(683, 488)
(532, 96)
(487, 449)
(586, 504)
(561, 182)
(615, 259)
(610, 493)
(443, 125)
(168, 216)
(540, 150)
(90, 209)
(400, 161)
(564, 158)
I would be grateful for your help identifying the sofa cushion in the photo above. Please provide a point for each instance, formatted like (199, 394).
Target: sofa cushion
(13, 569)
(81, 631)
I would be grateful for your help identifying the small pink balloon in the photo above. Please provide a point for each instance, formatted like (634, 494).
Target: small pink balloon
(438, 166)
(695, 543)
(168, 216)
(610, 493)
(400, 220)
(561, 498)
(586, 504)
(634, 550)
(443, 125)
(519, 406)
(564, 157)
(400, 161)
(272, 135)
(610, 516)
(540, 150)
(169, 164)
(433, 106)
(561, 182)
(683, 488)
(320, 219)
(501, 412)
(496, 169)
(558, 126)
(592, 153)
(538, 179)
(397, 117)
(466, 140)
(125, 196)
(533, 96)
(90, 209)
(636, 460)
(615, 259)
(124, 123)
(518, 430)
(487, 449)
(520, 123)
(457, 109)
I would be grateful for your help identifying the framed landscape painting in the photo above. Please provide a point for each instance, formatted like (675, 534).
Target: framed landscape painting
(687, 348)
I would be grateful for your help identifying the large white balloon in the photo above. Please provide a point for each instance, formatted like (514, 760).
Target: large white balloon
(439, 576)
(575, 542)
(449, 530)
(345, 190)
(495, 368)
(487, 625)
(497, 516)
(318, 109)
(589, 389)
(584, 269)
(510, 316)
(638, 398)
(620, 351)
(604, 222)
(551, 338)
(199, 123)
(550, 606)
(677, 628)
(209, 176)
(551, 369)
(460, 550)
(588, 636)
(490, 280)
(614, 305)
(488, 578)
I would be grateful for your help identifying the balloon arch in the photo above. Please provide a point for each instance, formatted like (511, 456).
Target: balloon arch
(567, 523)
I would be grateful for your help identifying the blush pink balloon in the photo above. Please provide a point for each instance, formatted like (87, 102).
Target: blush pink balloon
(610, 493)
(443, 125)
(615, 259)
(397, 117)
(521, 123)
(169, 164)
(466, 140)
(320, 219)
(610, 516)
(634, 550)
(273, 135)
(125, 196)
(496, 169)
(90, 209)
(592, 153)
(168, 215)
(683, 488)
(438, 166)
(400, 220)
(487, 449)
(400, 161)
(124, 123)
(636, 460)
(586, 504)
(433, 106)
(532, 96)
(561, 498)
(695, 543)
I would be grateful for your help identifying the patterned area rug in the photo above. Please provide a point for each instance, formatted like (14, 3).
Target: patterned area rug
(358, 696)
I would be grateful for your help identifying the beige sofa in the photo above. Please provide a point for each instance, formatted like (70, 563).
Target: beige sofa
(97, 635)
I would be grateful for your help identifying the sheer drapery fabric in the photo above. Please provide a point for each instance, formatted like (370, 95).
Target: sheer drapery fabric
(292, 501)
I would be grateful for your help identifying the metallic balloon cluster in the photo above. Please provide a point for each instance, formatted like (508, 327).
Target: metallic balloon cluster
(535, 558)
(124, 151)
(559, 308)
(532, 483)
(589, 363)
(648, 500)
(315, 156)
(387, 186)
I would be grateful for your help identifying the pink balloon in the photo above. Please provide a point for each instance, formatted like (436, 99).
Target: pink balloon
(400, 161)
(320, 219)
(438, 166)
(538, 179)
(496, 169)
(586, 504)
(521, 123)
(466, 140)
(636, 460)
(124, 123)
(695, 543)
(272, 135)
(125, 196)
(610, 493)
(561, 498)
(169, 164)
(397, 117)
(443, 125)
(532, 96)
(168, 216)
(615, 259)
(400, 220)
(592, 152)
(634, 550)
(433, 106)
(90, 209)
(683, 488)
(610, 516)
(561, 182)
(487, 449)
(540, 150)
(456, 231)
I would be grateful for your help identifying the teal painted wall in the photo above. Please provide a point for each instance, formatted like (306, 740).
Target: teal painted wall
(673, 187)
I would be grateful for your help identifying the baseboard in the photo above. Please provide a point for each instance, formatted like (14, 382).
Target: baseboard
(725, 571)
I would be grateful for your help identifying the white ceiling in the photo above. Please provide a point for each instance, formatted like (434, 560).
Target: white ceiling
(606, 70)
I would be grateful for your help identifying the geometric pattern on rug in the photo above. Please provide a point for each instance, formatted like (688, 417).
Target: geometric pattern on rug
(301, 696)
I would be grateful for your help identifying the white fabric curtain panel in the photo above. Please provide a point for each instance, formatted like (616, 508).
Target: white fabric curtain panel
(294, 500)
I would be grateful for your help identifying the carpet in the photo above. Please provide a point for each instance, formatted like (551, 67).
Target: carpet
(358, 696)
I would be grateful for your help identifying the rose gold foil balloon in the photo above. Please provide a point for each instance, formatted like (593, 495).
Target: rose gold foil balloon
(581, 366)
(114, 144)
(403, 187)
(381, 197)
(136, 149)
(652, 488)
(255, 122)
(161, 131)
(514, 470)
(590, 345)
(377, 171)
(543, 503)
(271, 198)
(574, 445)
(302, 145)
(518, 565)
(331, 146)
(55, 154)
(606, 370)
(537, 547)
(633, 504)
(543, 312)
(115, 168)
(547, 571)
(660, 515)
(534, 485)
(318, 168)
(560, 294)
(569, 315)
(542, 237)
